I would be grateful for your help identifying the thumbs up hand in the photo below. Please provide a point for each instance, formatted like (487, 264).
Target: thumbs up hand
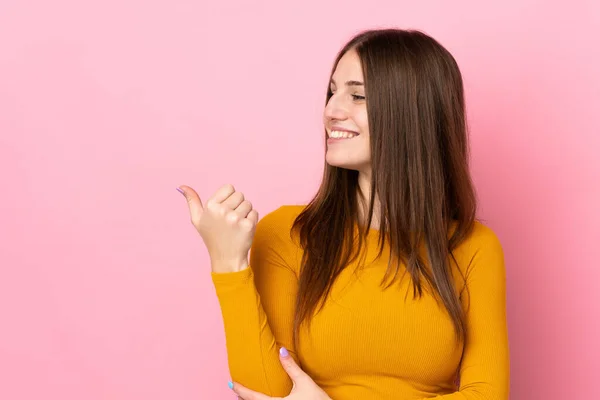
(226, 223)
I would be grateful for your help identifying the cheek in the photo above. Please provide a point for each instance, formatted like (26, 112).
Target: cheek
(362, 120)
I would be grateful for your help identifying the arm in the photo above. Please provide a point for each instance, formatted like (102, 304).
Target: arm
(484, 371)
(257, 305)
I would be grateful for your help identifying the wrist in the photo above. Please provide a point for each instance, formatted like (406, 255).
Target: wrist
(227, 266)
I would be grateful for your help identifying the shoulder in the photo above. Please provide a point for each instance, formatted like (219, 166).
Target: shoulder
(280, 220)
(284, 215)
(480, 236)
(273, 243)
(483, 237)
(481, 249)
(276, 226)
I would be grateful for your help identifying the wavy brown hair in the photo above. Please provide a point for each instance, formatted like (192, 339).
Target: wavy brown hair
(420, 174)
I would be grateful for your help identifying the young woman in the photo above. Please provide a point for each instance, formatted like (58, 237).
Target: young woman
(384, 286)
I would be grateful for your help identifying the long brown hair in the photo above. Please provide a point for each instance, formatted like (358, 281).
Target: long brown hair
(420, 173)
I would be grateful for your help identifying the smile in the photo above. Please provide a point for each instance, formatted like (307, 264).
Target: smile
(342, 134)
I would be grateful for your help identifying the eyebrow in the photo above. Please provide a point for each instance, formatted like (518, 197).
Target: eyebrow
(348, 83)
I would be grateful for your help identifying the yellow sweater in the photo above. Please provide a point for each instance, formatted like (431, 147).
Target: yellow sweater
(367, 342)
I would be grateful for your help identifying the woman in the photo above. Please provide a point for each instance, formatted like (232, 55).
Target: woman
(384, 286)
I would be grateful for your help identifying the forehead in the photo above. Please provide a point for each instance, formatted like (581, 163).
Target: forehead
(348, 68)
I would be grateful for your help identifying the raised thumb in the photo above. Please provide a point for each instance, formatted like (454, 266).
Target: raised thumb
(193, 201)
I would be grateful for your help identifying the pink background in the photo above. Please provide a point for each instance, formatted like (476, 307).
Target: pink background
(105, 108)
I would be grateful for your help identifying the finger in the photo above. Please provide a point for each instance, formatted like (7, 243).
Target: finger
(253, 216)
(223, 193)
(193, 200)
(248, 394)
(233, 201)
(249, 223)
(243, 209)
(290, 366)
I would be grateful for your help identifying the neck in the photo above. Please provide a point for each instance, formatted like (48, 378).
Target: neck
(364, 184)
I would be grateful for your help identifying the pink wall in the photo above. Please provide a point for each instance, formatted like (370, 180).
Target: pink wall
(104, 285)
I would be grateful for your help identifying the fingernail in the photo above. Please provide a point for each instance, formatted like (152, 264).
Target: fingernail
(283, 352)
(180, 191)
(230, 384)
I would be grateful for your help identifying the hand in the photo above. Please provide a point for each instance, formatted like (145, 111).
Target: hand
(304, 388)
(226, 224)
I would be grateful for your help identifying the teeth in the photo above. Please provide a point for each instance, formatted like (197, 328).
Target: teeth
(341, 135)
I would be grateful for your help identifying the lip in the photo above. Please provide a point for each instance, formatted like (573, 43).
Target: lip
(340, 129)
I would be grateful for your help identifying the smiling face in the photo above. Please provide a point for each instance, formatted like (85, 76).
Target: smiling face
(345, 117)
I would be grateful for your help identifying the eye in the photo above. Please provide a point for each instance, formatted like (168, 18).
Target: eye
(358, 97)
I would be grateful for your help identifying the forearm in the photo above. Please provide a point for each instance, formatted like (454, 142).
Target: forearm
(252, 350)
(479, 393)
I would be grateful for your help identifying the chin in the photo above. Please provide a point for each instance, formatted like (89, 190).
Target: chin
(346, 164)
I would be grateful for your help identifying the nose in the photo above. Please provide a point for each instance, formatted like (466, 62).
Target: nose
(335, 109)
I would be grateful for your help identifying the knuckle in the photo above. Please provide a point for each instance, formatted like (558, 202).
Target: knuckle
(221, 211)
(233, 217)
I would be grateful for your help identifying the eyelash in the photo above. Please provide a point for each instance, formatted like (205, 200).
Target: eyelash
(354, 96)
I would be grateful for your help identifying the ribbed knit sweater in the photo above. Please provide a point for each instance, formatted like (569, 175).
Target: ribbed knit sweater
(367, 342)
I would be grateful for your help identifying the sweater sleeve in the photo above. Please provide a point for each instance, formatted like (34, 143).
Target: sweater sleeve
(484, 371)
(257, 305)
